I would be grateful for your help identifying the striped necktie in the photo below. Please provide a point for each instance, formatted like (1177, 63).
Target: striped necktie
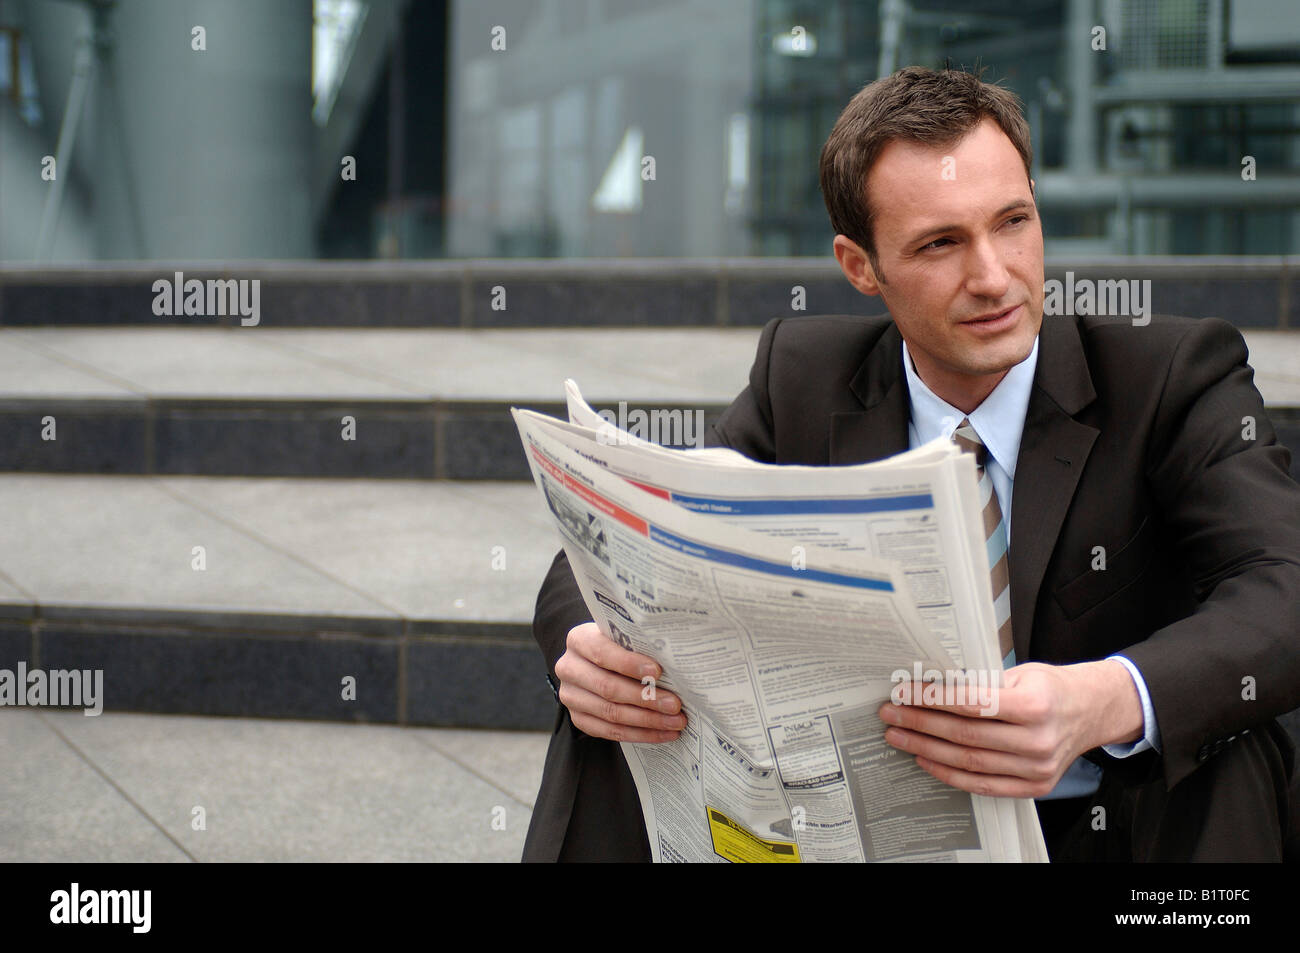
(995, 537)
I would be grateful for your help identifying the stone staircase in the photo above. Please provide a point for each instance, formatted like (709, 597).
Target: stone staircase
(245, 519)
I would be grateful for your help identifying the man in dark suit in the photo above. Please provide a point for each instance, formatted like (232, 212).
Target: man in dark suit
(1150, 680)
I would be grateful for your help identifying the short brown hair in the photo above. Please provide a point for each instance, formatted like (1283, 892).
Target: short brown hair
(914, 104)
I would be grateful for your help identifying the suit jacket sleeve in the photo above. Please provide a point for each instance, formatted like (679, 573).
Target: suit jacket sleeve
(745, 426)
(1226, 495)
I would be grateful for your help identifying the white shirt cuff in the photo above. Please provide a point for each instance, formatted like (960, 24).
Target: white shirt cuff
(1150, 730)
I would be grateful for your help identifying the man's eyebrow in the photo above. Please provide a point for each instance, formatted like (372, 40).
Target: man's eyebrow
(1018, 204)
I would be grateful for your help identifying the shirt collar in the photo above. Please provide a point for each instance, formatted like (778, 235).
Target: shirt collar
(999, 419)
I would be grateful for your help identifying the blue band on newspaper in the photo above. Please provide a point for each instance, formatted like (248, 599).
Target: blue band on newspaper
(762, 565)
(915, 501)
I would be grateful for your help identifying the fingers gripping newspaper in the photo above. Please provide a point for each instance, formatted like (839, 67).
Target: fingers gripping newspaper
(785, 604)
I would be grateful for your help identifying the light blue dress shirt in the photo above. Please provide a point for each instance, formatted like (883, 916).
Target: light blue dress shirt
(999, 421)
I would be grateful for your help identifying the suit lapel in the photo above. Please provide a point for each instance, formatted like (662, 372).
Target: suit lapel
(1053, 448)
(881, 429)
(1053, 451)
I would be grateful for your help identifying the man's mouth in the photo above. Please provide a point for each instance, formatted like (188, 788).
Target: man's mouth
(997, 319)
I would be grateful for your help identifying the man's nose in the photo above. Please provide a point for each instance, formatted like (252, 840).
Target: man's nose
(987, 275)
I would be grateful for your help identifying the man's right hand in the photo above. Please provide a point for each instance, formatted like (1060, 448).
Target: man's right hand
(600, 684)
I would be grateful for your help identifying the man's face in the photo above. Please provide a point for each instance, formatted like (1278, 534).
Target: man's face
(957, 237)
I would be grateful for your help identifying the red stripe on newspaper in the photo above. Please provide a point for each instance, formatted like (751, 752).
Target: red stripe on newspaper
(591, 496)
(546, 463)
(657, 491)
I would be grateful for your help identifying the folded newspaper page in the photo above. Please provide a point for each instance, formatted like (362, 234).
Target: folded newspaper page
(785, 604)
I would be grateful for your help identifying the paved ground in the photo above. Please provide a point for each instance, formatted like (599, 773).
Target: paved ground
(126, 788)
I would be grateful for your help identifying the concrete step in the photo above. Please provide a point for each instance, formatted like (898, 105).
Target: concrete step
(422, 591)
(265, 402)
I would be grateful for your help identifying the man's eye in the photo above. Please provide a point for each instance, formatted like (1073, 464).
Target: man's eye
(935, 244)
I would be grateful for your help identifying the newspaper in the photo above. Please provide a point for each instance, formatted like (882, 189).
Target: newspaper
(782, 603)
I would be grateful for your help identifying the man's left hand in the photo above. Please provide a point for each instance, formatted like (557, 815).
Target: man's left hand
(1046, 716)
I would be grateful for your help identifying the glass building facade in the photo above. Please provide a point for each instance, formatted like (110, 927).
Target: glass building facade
(638, 128)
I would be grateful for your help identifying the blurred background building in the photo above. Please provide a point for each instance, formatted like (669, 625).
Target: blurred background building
(613, 128)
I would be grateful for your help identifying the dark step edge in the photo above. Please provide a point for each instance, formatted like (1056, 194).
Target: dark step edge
(478, 675)
(267, 437)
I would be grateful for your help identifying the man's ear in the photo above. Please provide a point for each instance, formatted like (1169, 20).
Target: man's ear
(856, 265)
(1032, 192)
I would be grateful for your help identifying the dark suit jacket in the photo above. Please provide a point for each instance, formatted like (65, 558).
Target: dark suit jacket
(1133, 441)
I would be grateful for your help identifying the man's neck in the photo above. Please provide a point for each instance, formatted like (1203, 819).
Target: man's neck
(961, 391)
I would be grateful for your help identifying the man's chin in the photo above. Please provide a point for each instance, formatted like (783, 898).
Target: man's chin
(1002, 350)
(995, 358)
